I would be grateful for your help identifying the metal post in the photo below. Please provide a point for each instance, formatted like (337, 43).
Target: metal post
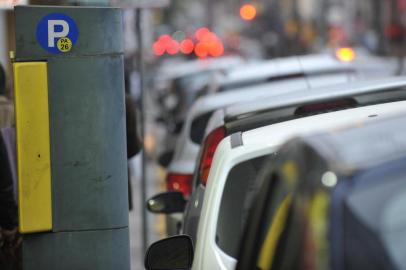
(140, 62)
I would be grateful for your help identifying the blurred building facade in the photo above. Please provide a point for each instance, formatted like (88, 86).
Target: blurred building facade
(281, 27)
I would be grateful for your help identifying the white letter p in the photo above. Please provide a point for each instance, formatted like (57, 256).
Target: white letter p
(52, 34)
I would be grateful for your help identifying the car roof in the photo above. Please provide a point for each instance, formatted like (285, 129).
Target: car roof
(217, 100)
(280, 88)
(281, 68)
(361, 147)
(253, 94)
(334, 121)
(184, 68)
(257, 113)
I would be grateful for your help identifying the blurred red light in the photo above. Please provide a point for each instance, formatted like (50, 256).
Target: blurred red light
(209, 37)
(248, 12)
(179, 182)
(187, 46)
(216, 49)
(201, 32)
(172, 47)
(165, 38)
(201, 50)
(159, 48)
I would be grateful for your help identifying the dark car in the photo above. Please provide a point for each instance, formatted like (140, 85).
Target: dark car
(332, 201)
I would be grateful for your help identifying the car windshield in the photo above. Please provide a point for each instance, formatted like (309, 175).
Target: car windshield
(237, 197)
(187, 88)
(193, 82)
(199, 126)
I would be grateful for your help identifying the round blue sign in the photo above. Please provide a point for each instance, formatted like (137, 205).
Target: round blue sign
(57, 33)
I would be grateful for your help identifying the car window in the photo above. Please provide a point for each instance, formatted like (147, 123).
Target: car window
(274, 222)
(193, 81)
(185, 89)
(271, 235)
(199, 126)
(235, 203)
(300, 234)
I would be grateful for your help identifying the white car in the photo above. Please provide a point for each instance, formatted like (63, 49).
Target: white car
(234, 169)
(278, 77)
(278, 69)
(251, 115)
(180, 170)
(238, 159)
(318, 69)
(182, 165)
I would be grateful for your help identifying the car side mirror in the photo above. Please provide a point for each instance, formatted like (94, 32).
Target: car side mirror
(167, 203)
(178, 126)
(171, 253)
(160, 120)
(166, 158)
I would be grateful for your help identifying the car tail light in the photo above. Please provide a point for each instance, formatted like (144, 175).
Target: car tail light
(210, 146)
(330, 105)
(179, 182)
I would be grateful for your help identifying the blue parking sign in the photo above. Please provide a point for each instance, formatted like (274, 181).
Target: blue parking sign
(57, 33)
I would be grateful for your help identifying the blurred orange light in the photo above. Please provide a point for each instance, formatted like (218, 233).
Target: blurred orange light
(201, 32)
(248, 12)
(209, 37)
(201, 50)
(216, 49)
(187, 46)
(345, 54)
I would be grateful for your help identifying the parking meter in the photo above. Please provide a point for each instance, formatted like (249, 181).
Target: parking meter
(71, 144)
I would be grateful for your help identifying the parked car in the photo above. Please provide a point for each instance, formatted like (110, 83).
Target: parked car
(177, 86)
(180, 169)
(312, 70)
(178, 83)
(332, 201)
(236, 164)
(250, 115)
(279, 69)
(188, 143)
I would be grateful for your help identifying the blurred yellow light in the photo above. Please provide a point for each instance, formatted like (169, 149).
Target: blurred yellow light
(345, 54)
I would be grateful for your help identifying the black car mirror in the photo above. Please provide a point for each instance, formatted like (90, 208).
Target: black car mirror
(171, 253)
(166, 158)
(160, 120)
(167, 203)
(178, 127)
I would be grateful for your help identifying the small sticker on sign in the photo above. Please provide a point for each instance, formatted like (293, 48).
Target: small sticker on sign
(64, 44)
(57, 33)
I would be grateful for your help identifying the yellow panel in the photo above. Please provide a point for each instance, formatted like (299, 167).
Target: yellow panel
(33, 146)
